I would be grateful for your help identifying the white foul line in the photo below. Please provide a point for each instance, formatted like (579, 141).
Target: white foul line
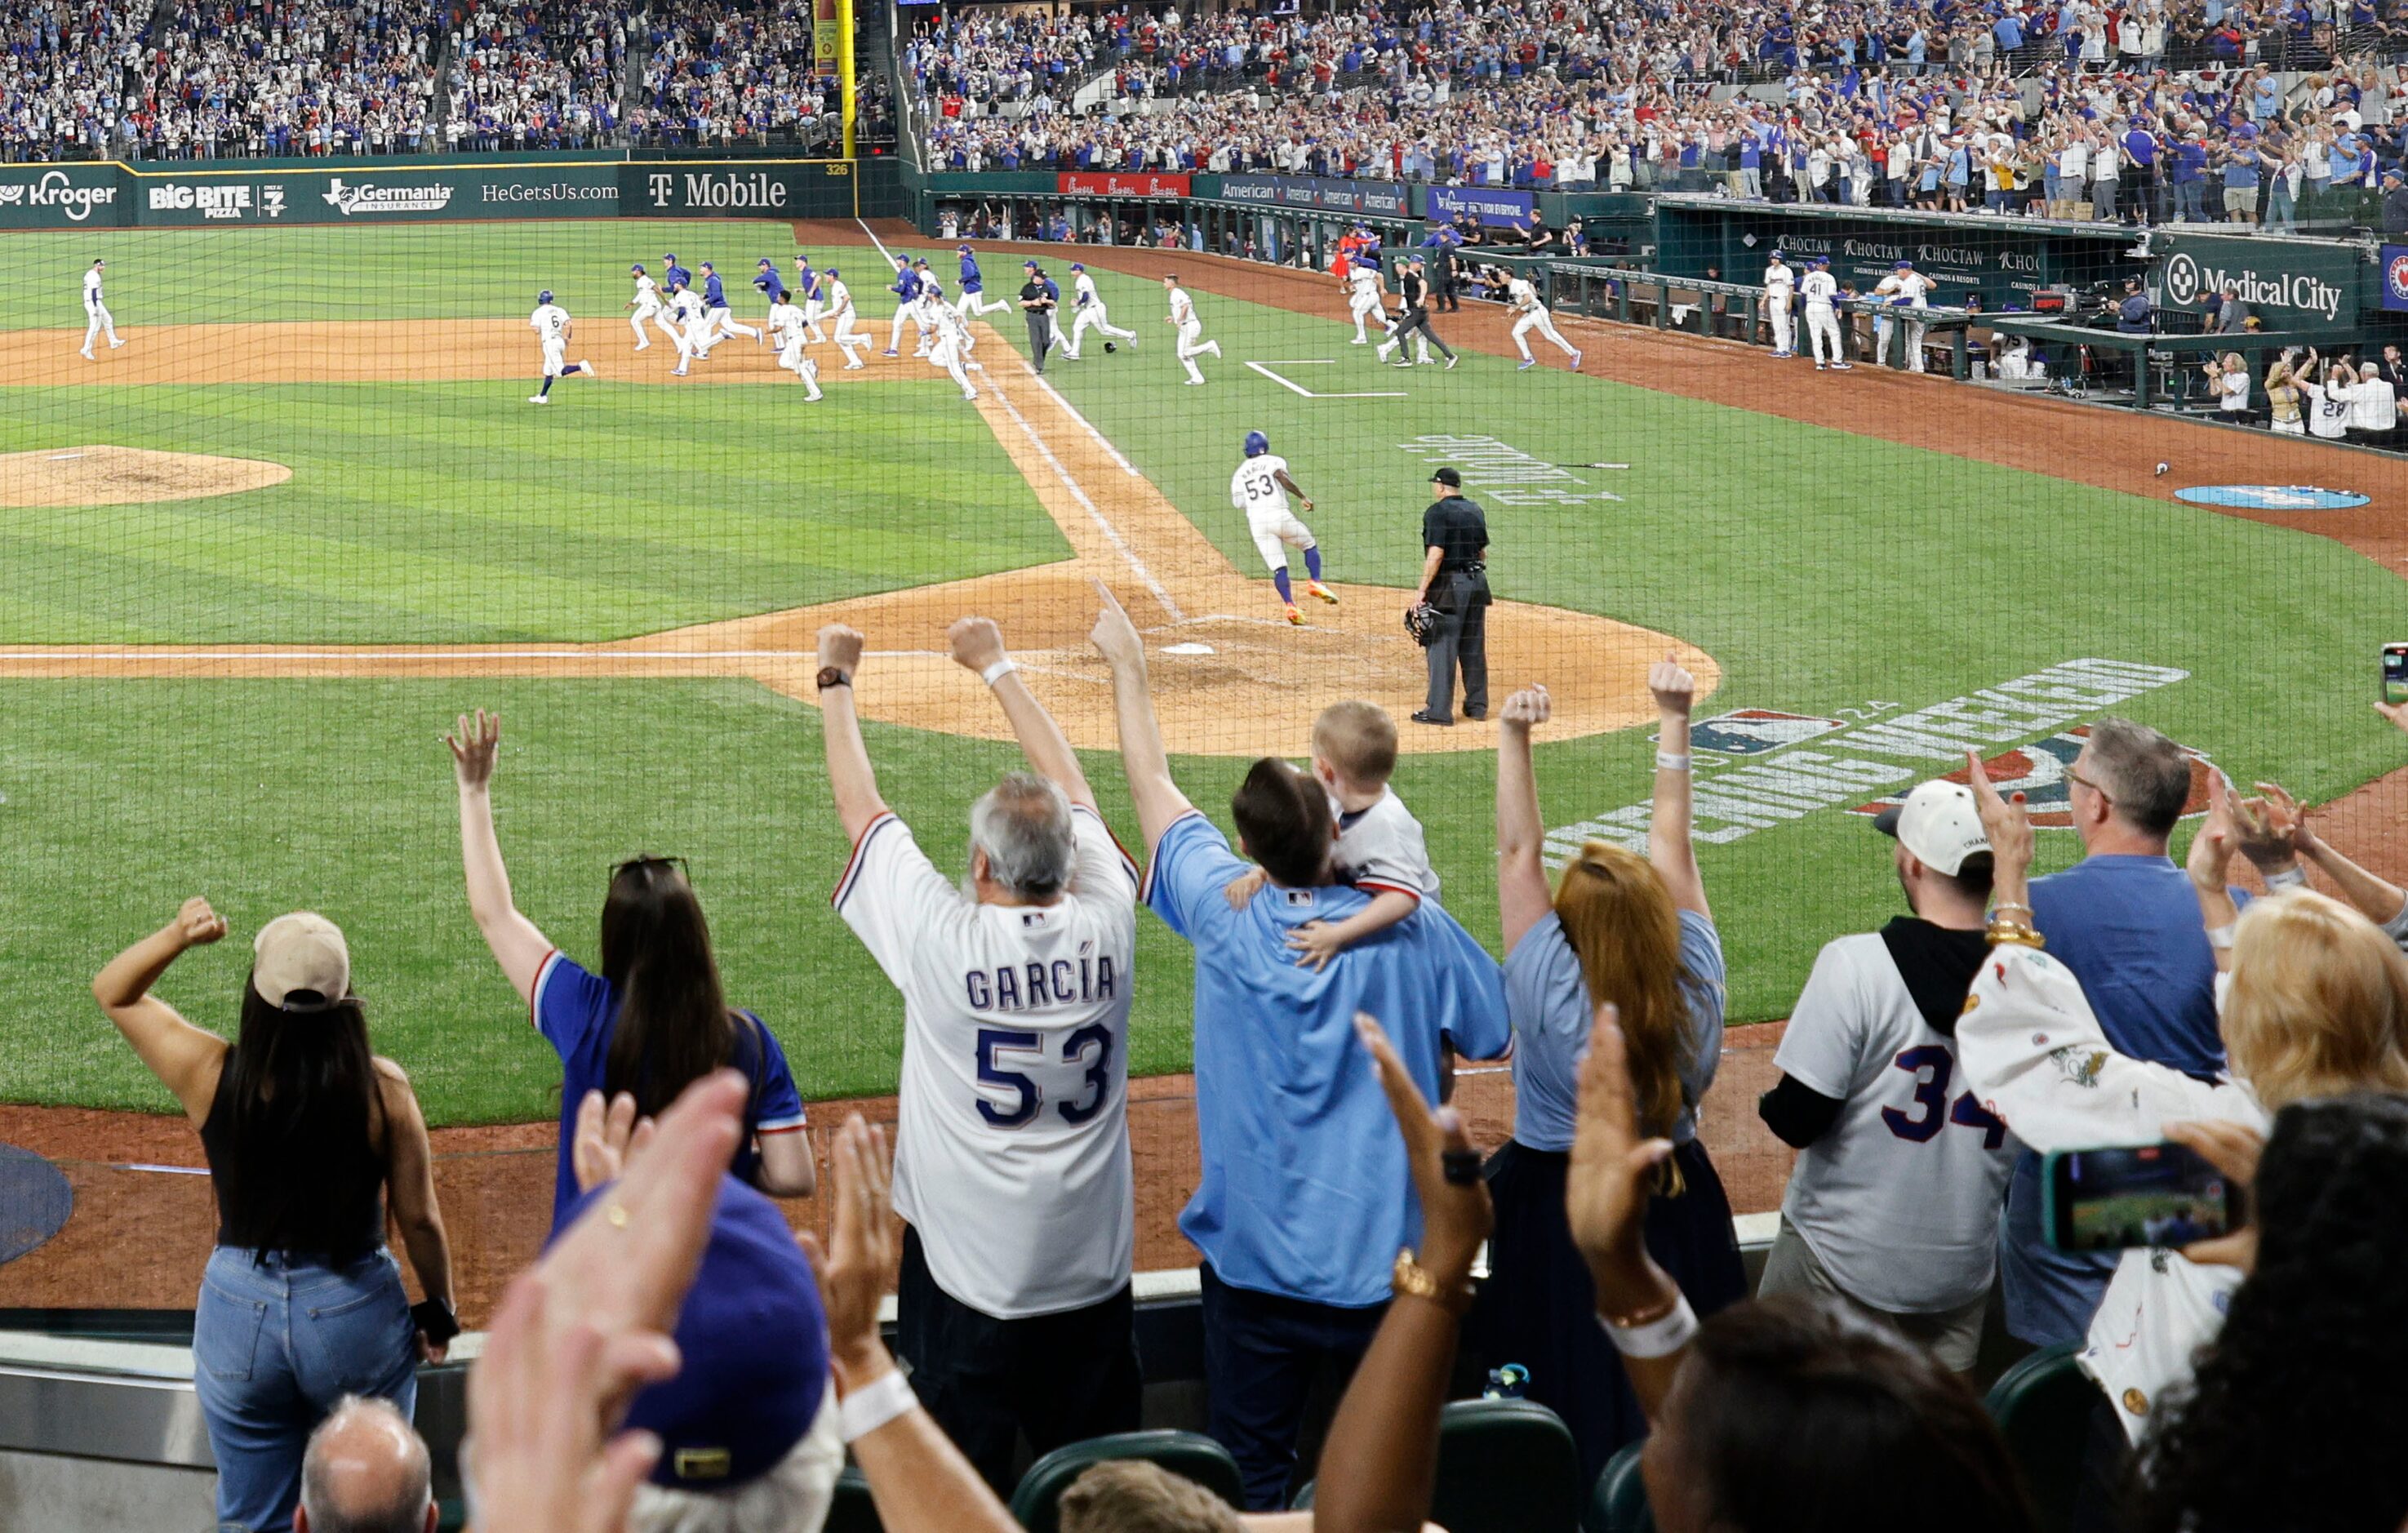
(1103, 523)
(1298, 388)
(1101, 441)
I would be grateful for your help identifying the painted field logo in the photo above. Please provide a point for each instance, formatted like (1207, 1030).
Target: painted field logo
(367, 197)
(2038, 771)
(2272, 497)
(1753, 731)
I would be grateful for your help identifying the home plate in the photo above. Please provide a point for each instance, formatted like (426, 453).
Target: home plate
(1190, 648)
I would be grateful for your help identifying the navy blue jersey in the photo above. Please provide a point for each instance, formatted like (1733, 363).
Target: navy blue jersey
(677, 274)
(773, 284)
(713, 295)
(971, 282)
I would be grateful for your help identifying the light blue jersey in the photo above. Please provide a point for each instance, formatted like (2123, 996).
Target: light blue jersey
(1305, 1190)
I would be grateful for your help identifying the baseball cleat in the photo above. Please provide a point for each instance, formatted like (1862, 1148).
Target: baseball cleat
(586, 367)
(643, 346)
(87, 356)
(969, 394)
(1213, 347)
(1450, 364)
(1576, 361)
(1360, 340)
(1844, 366)
(676, 372)
(1293, 616)
(115, 344)
(1526, 364)
(538, 399)
(1314, 588)
(855, 366)
(1822, 366)
(890, 352)
(1194, 382)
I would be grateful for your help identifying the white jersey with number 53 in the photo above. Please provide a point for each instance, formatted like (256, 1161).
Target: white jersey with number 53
(1011, 1141)
(1254, 488)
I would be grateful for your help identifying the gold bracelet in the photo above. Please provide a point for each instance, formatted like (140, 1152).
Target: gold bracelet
(1413, 1281)
(2007, 934)
(2012, 905)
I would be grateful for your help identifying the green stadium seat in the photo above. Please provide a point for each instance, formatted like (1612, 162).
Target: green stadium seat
(853, 1511)
(1505, 1467)
(1618, 1503)
(1187, 1454)
(2043, 1406)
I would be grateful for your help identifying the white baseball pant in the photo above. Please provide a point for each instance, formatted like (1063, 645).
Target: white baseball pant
(846, 340)
(1091, 317)
(636, 323)
(101, 320)
(1544, 323)
(1274, 534)
(1784, 324)
(1193, 345)
(1822, 331)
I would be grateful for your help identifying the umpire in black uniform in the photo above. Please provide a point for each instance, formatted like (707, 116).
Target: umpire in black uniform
(1415, 319)
(1454, 581)
(1038, 298)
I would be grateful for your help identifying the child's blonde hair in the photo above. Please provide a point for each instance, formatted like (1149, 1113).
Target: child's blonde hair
(1358, 740)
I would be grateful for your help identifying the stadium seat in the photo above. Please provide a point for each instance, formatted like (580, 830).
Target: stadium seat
(1503, 1466)
(1618, 1503)
(2043, 1406)
(853, 1511)
(1189, 1453)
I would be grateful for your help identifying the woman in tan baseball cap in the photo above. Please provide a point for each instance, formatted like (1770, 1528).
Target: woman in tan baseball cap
(307, 1133)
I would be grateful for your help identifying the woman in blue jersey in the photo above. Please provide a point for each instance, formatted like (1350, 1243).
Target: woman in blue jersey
(654, 1019)
(1635, 931)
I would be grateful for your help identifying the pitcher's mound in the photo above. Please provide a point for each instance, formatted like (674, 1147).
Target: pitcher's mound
(123, 475)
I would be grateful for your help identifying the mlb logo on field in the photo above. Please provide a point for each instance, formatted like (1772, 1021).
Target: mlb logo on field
(1753, 731)
(2037, 772)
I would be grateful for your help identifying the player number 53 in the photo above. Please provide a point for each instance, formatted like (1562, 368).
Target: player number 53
(1090, 1046)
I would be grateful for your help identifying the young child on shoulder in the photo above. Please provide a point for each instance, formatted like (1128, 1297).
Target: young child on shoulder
(1380, 849)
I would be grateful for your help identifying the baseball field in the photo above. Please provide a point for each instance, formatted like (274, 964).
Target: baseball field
(252, 563)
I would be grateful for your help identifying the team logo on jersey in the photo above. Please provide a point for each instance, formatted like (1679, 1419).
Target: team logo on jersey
(2079, 1065)
(2037, 772)
(1755, 731)
(368, 197)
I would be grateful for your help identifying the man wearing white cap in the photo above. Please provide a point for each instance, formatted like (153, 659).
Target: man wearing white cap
(1893, 1207)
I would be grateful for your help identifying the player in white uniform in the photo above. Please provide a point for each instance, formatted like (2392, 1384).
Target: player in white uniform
(553, 328)
(686, 321)
(1191, 329)
(646, 304)
(930, 298)
(1530, 313)
(949, 345)
(1087, 313)
(1260, 488)
(1012, 1166)
(1366, 296)
(1780, 296)
(1820, 289)
(96, 312)
(839, 299)
(786, 332)
(1893, 1208)
(1903, 288)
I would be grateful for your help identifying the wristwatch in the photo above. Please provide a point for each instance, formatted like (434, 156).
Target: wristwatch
(1413, 1279)
(436, 1318)
(831, 677)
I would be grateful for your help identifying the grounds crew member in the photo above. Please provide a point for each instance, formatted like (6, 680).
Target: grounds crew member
(1454, 581)
(1038, 298)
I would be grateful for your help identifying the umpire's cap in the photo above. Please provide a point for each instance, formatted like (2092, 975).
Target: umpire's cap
(1448, 476)
(1256, 444)
(544, 297)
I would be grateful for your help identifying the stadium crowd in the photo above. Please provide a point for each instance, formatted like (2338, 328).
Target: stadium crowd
(733, 78)
(2144, 112)
(675, 1362)
(534, 75)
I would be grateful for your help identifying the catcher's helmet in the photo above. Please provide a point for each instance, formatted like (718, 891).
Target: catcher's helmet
(1256, 444)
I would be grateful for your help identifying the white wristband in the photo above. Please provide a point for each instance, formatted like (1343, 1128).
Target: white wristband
(2293, 877)
(1657, 1338)
(998, 671)
(1671, 761)
(873, 1405)
(2220, 938)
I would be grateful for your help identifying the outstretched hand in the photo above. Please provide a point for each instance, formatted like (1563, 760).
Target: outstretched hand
(197, 924)
(608, 1139)
(853, 1267)
(1527, 709)
(476, 747)
(977, 643)
(1115, 635)
(840, 647)
(1674, 688)
(1613, 1167)
(2212, 849)
(1455, 1213)
(2004, 820)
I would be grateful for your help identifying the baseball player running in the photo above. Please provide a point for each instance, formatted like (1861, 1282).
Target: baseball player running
(773, 287)
(646, 304)
(1415, 322)
(808, 284)
(684, 322)
(949, 345)
(930, 298)
(719, 321)
(1821, 289)
(1366, 295)
(906, 288)
(786, 330)
(1779, 293)
(1191, 329)
(1260, 488)
(839, 299)
(1087, 308)
(973, 300)
(97, 311)
(1530, 313)
(552, 328)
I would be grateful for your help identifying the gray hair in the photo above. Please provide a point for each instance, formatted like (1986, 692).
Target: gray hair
(792, 1498)
(2144, 773)
(369, 1498)
(1023, 824)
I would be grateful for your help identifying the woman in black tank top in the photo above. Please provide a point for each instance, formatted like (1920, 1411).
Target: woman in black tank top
(306, 1133)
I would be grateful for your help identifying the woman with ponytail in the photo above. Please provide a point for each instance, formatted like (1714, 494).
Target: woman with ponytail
(653, 1021)
(1634, 932)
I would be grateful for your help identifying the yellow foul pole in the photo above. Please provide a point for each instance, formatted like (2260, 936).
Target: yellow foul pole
(844, 66)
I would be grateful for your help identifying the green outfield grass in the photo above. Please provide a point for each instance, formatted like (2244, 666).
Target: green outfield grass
(1826, 572)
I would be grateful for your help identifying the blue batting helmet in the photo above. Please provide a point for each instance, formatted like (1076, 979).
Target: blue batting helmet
(1256, 444)
(544, 297)
(634, 269)
(1078, 265)
(831, 271)
(962, 249)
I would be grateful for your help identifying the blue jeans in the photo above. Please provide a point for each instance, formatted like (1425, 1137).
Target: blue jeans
(276, 1343)
(2050, 1295)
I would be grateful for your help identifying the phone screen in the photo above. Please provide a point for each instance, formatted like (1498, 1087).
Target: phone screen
(2395, 673)
(2152, 1194)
